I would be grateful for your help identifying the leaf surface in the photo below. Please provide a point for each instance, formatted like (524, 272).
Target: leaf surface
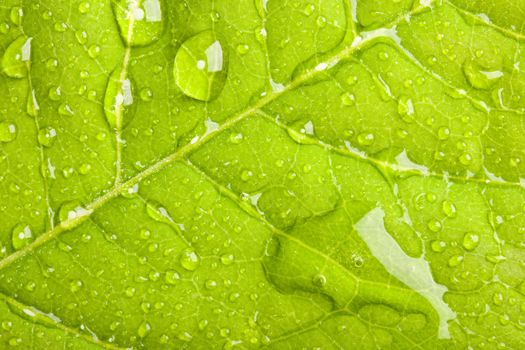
(262, 174)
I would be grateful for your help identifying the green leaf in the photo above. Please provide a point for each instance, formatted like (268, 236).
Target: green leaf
(262, 174)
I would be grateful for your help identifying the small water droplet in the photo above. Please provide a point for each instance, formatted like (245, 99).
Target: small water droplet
(438, 246)
(455, 260)
(227, 259)
(47, 136)
(443, 133)
(8, 131)
(348, 99)
(319, 280)
(470, 241)
(84, 7)
(201, 66)
(144, 329)
(434, 225)
(189, 260)
(405, 108)
(172, 277)
(76, 285)
(449, 209)
(365, 139)
(21, 236)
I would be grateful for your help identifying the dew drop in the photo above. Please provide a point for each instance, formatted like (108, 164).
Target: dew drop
(405, 108)
(319, 280)
(242, 49)
(438, 246)
(8, 131)
(75, 286)
(84, 7)
(47, 136)
(172, 277)
(434, 225)
(365, 139)
(118, 100)
(143, 329)
(443, 133)
(140, 22)
(94, 51)
(189, 260)
(449, 209)
(348, 99)
(201, 66)
(478, 77)
(455, 260)
(16, 58)
(21, 236)
(227, 259)
(16, 15)
(470, 241)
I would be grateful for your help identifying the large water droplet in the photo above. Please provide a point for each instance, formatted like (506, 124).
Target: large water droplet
(140, 21)
(7, 131)
(16, 57)
(201, 66)
(118, 101)
(21, 236)
(479, 77)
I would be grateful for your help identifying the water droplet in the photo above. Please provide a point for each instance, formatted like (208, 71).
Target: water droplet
(455, 260)
(405, 108)
(172, 277)
(118, 100)
(94, 51)
(17, 57)
(16, 15)
(201, 66)
(21, 236)
(81, 36)
(348, 99)
(8, 131)
(434, 225)
(185, 337)
(438, 246)
(365, 139)
(47, 136)
(75, 286)
(479, 77)
(146, 94)
(470, 241)
(449, 209)
(140, 22)
(246, 175)
(465, 159)
(70, 211)
(189, 260)
(84, 7)
(144, 329)
(227, 259)
(319, 280)
(211, 284)
(158, 212)
(443, 133)
(243, 49)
